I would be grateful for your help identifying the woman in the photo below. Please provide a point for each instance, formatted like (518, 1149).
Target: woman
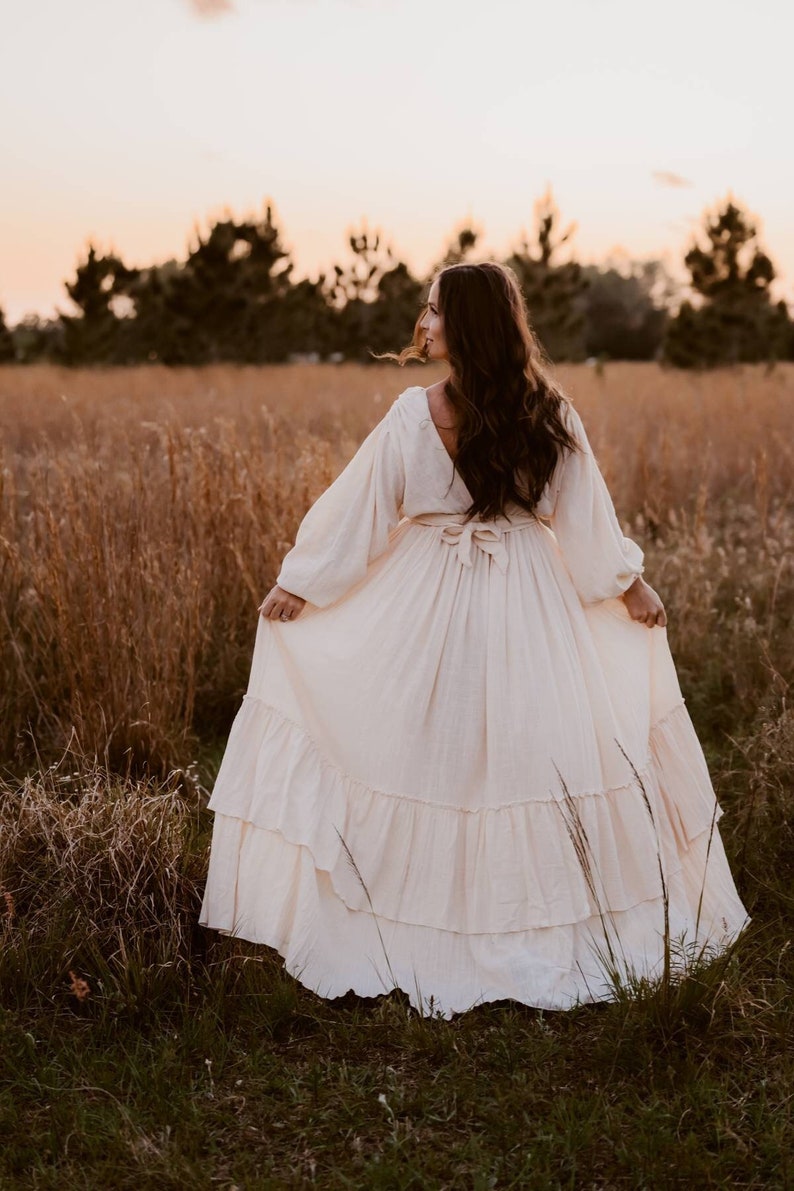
(463, 766)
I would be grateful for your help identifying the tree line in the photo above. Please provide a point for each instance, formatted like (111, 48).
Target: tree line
(235, 298)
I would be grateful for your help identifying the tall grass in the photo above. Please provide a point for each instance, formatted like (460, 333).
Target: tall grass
(131, 572)
(143, 515)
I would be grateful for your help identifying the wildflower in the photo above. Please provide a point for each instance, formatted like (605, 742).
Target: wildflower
(78, 987)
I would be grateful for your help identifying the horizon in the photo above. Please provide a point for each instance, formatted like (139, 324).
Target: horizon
(141, 124)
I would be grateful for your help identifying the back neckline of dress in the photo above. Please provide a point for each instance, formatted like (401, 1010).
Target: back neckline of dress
(432, 423)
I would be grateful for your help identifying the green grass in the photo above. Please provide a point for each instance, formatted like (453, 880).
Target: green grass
(258, 1083)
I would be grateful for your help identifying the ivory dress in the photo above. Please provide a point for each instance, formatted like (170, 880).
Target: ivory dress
(464, 770)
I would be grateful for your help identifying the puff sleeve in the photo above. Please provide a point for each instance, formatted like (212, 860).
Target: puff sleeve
(349, 525)
(602, 562)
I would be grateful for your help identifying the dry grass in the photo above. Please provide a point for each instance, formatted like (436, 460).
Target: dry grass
(143, 515)
(102, 875)
(134, 555)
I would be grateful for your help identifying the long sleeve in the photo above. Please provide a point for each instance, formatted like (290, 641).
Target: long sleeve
(602, 562)
(349, 525)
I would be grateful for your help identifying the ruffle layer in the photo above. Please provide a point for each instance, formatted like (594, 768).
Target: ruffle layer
(528, 866)
(266, 890)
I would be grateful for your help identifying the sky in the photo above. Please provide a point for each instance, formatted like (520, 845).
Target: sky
(132, 122)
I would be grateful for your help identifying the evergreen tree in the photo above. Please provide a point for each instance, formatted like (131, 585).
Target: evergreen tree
(302, 321)
(553, 292)
(7, 349)
(376, 299)
(231, 299)
(625, 309)
(460, 248)
(221, 303)
(735, 319)
(358, 281)
(93, 336)
(396, 309)
(158, 331)
(37, 339)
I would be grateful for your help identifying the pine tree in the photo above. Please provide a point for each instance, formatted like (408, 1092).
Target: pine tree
(396, 309)
(626, 309)
(221, 302)
(553, 292)
(301, 322)
(460, 248)
(7, 349)
(232, 299)
(37, 339)
(158, 330)
(94, 336)
(735, 319)
(376, 298)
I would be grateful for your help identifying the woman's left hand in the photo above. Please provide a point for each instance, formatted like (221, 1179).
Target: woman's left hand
(644, 604)
(279, 604)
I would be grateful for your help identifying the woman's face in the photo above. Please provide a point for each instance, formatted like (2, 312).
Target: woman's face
(433, 326)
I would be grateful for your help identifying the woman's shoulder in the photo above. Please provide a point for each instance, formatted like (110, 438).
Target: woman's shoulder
(412, 402)
(413, 396)
(571, 419)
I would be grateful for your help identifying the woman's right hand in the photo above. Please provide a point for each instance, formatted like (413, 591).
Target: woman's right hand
(644, 604)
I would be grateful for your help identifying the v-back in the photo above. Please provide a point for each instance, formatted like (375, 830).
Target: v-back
(438, 429)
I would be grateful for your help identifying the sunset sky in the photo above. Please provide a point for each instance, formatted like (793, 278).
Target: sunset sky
(130, 123)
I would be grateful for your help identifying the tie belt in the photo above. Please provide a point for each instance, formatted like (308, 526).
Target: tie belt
(488, 536)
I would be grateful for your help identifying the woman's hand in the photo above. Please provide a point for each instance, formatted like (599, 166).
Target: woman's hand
(279, 604)
(644, 604)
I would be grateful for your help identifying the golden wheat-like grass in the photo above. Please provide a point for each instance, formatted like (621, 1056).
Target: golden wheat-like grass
(144, 513)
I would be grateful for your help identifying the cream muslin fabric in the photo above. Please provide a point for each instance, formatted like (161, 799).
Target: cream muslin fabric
(420, 755)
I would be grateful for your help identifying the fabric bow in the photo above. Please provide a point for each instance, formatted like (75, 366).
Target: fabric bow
(487, 537)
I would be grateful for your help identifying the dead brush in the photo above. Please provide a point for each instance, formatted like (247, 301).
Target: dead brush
(103, 879)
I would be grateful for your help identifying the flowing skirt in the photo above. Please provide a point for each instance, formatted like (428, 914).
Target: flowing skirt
(459, 781)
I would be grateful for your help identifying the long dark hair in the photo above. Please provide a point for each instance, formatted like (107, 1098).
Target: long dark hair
(508, 409)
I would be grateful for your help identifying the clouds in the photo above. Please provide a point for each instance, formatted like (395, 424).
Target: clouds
(667, 178)
(209, 9)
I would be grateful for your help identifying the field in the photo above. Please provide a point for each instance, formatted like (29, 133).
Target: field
(144, 514)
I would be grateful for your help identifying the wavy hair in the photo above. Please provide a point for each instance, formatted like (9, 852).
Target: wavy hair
(508, 409)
